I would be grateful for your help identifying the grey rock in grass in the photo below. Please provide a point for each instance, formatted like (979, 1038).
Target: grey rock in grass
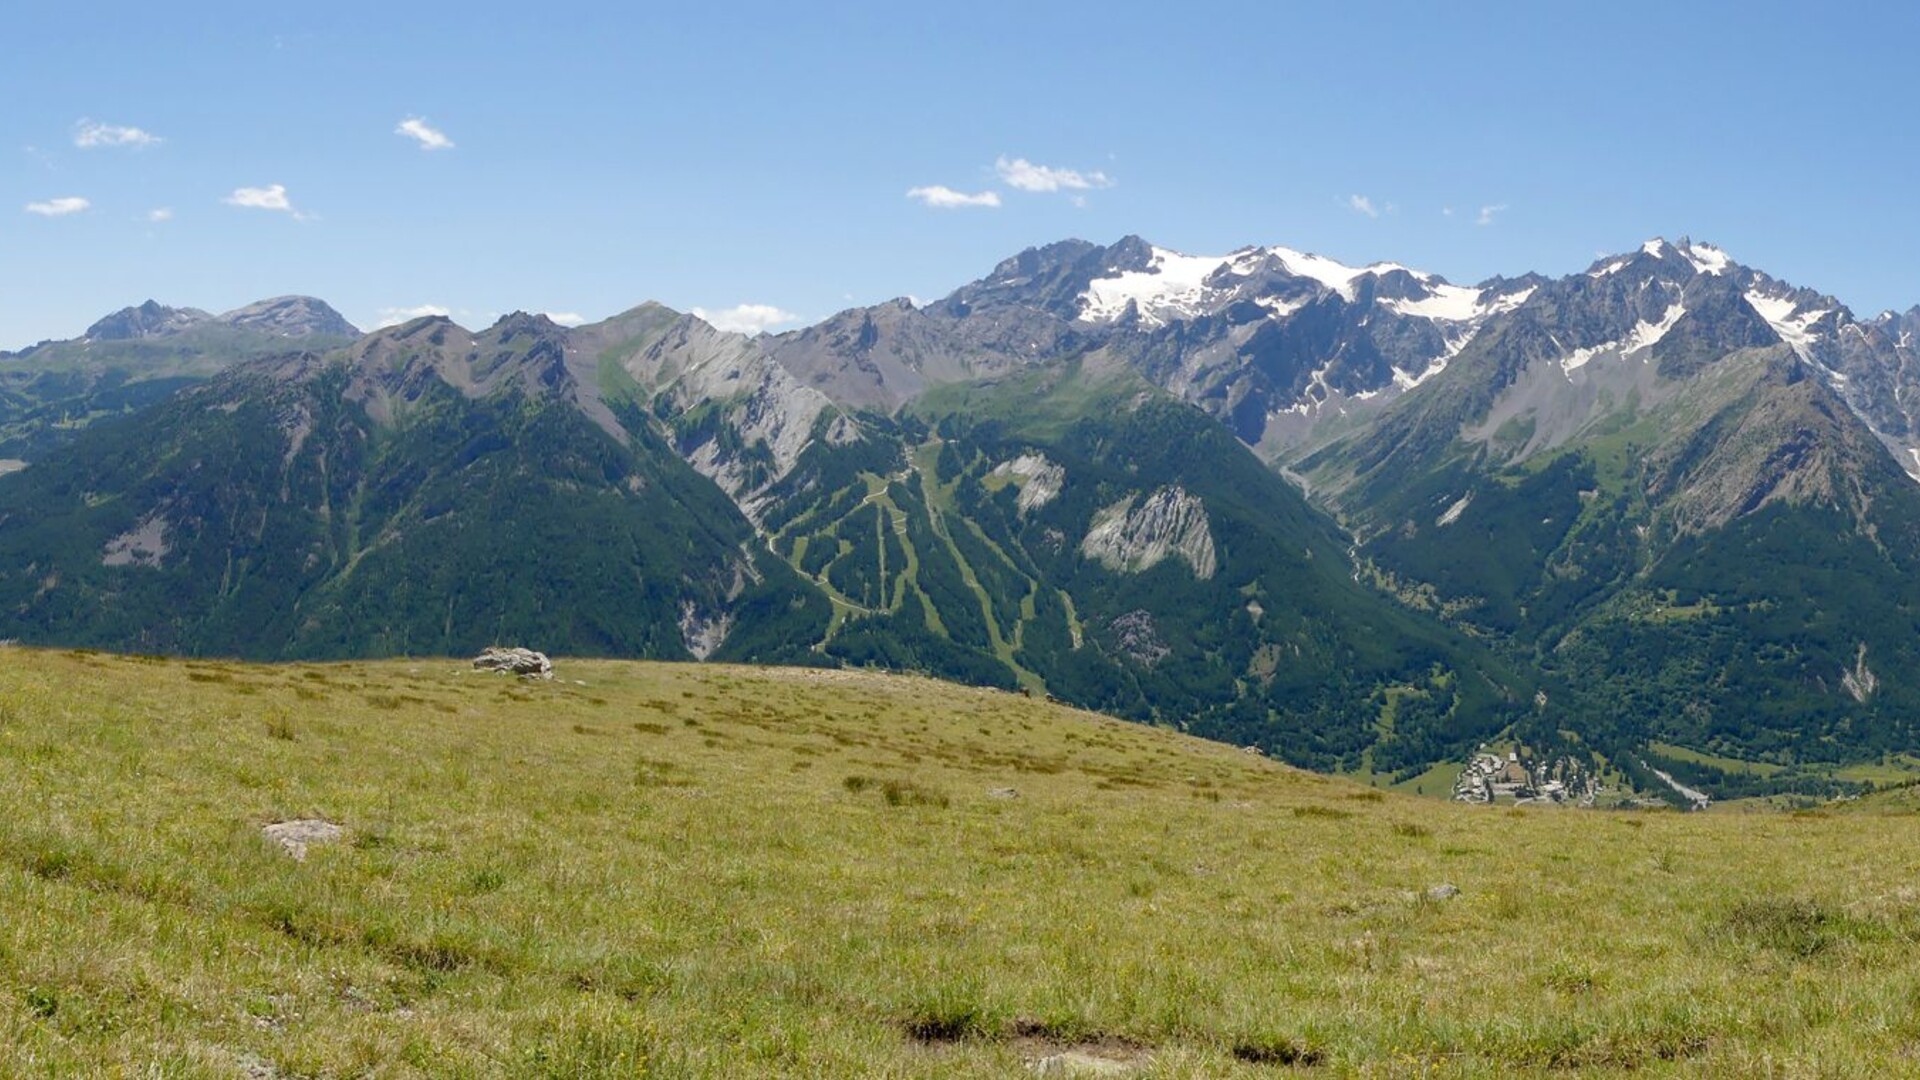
(1444, 891)
(255, 1067)
(295, 836)
(515, 661)
(1078, 1063)
(1003, 793)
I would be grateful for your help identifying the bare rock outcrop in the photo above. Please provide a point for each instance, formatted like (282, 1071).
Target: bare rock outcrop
(515, 661)
(1132, 539)
(1038, 479)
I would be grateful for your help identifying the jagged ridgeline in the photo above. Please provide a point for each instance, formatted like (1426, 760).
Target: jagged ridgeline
(1651, 478)
(652, 487)
(137, 356)
(1656, 517)
(425, 492)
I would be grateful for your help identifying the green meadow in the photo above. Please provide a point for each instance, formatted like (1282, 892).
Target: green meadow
(703, 871)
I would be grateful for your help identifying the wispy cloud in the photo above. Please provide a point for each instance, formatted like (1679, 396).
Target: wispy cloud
(414, 127)
(159, 214)
(565, 318)
(394, 316)
(271, 197)
(61, 207)
(1487, 214)
(941, 196)
(1360, 204)
(1024, 175)
(746, 318)
(88, 135)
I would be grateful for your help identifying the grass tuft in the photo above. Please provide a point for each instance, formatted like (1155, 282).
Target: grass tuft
(908, 793)
(946, 1019)
(1277, 1050)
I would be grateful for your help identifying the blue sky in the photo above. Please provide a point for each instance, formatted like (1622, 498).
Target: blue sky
(712, 156)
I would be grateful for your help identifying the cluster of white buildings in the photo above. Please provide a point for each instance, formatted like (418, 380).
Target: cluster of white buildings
(1490, 778)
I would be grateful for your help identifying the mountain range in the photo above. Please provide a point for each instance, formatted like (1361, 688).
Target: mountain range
(1659, 515)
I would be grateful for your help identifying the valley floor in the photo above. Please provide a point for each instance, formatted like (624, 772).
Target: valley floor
(702, 871)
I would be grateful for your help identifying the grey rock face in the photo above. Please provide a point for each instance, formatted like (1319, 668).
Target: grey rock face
(292, 317)
(1039, 480)
(149, 320)
(1170, 523)
(1136, 636)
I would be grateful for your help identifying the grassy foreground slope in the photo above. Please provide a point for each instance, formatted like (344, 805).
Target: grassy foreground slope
(710, 871)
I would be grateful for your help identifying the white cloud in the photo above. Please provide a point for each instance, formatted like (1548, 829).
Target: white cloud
(271, 197)
(565, 318)
(746, 318)
(1360, 204)
(414, 127)
(1487, 213)
(87, 135)
(159, 214)
(1026, 176)
(61, 207)
(394, 316)
(941, 197)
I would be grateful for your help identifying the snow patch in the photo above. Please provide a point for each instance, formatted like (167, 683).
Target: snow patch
(1173, 285)
(1334, 275)
(1453, 512)
(1645, 334)
(1502, 304)
(1406, 380)
(1706, 258)
(1643, 337)
(1449, 303)
(1281, 308)
(1779, 311)
(1579, 357)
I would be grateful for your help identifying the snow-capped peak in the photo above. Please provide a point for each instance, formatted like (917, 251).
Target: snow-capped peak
(1173, 285)
(1179, 286)
(1334, 275)
(1705, 257)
